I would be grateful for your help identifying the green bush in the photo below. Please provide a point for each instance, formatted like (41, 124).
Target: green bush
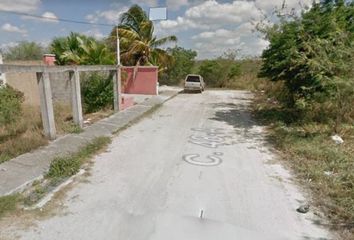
(182, 66)
(220, 72)
(235, 71)
(313, 56)
(213, 72)
(10, 105)
(97, 92)
(24, 51)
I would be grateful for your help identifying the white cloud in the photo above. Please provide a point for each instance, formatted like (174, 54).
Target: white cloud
(20, 5)
(180, 24)
(214, 43)
(5, 46)
(49, 17)
(289, 4)
(211, 26)
(149, 3)
(7, 27)
(220, 33)
(253, 46)
(112, 15)
(175, 5)
(216, 26)
(96, 33)
(109, 16)
(211, 14)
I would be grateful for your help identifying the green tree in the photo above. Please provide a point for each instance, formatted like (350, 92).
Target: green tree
(91, 52)
(183, 64)
(313, 55)
(213, 72)
(235, 70)
(24, 51)
(138, 44)
(81, 50)
(60, 45)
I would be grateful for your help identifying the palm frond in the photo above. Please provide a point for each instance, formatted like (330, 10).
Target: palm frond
(133, 17)
(162, 41)
(147, 29)
(128, 34)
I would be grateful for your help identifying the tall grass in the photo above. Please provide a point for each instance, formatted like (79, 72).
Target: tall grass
(23, 135)
(26, 134)
(304, 140)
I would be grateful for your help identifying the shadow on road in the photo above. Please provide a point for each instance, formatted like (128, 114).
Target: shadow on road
(238, 114)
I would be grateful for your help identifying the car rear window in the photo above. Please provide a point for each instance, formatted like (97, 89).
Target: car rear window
(193, 79)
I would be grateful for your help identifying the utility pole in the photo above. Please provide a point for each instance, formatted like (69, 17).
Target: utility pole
(117, 80)
(118, 47)
(2, 75)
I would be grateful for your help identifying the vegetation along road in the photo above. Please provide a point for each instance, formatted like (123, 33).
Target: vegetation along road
(197, 168)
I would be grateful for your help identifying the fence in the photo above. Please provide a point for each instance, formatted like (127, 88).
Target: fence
(45, 92)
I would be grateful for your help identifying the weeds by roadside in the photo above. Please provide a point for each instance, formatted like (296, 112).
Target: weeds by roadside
(60, 169)
(68, 166)
(26, 134)
(320, 164)
(21, 136)
(8, 203)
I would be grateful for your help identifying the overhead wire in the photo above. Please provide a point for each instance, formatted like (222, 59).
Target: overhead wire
(57, 19)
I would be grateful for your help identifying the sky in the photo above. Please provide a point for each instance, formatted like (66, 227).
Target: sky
(209, 27)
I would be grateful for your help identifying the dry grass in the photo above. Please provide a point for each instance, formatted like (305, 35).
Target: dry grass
(22, 136)
(325, 168)
(247, 81)
(63, 120)
(26, 134)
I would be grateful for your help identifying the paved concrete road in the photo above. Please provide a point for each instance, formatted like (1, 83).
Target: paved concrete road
(198, 168)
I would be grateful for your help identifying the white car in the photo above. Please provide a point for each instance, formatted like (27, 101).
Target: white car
(194, 82)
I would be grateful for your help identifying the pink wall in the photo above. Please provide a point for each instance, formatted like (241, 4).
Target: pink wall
(145, 82)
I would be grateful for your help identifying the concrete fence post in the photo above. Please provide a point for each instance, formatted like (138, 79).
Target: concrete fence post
(117, 90)
(76, 98)
(2, 75)
(45, 94)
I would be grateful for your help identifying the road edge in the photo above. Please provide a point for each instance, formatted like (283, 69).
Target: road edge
(36, 163)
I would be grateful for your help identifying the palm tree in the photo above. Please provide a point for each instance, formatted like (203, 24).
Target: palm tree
(81, 50)
(91, 53)
(60, 45)
(138, 44)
